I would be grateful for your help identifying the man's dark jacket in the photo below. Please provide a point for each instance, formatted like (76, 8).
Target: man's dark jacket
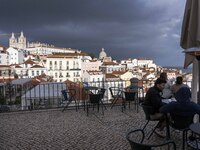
(153, 98)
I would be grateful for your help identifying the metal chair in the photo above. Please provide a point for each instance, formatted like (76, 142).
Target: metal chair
(116, 94)
(95, 99)
(136, 140)
(102, 92)
(68, 97)
(192, 136)
(131, 97)
(181, 123)
(147, 111)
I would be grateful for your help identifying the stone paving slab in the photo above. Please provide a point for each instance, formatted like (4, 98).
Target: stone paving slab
(71, 130)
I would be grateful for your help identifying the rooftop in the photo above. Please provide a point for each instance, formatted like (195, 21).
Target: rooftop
(55, 130)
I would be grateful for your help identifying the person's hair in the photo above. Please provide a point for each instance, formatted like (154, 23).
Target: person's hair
(163, 75)
(159, 81)
(179, 80)
(134, 80)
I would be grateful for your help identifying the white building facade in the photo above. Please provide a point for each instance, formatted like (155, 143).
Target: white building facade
(15, 55)
(63, 66)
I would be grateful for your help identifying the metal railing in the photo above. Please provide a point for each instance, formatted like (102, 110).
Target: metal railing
(30, 96)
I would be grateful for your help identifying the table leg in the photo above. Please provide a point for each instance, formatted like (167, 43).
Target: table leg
(167, 126)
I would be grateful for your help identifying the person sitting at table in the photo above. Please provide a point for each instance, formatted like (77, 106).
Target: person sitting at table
(133, 86)
(179, 83)
(166, 93)
(153, 98)
(183, 104)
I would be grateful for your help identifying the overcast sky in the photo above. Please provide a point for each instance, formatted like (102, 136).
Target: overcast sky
(124, 28)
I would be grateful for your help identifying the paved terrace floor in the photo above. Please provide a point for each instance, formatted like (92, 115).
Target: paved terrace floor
(71, 130)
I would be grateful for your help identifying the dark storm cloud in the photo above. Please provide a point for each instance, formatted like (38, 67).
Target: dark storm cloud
(125, 28)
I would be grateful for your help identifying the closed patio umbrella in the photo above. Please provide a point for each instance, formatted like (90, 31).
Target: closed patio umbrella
(190, 41)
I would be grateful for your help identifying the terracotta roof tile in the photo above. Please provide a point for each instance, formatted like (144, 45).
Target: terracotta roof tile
(119, 72)
(110, 75)
(109, 63)
(29, 61)
(37, 66)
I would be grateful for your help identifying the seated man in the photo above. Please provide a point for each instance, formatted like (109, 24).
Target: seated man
(153, 98)
(179, 83)
(166, 93)
(134, 85)
(183, 104)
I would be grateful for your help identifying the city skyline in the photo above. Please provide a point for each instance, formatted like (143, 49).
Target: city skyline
(125, 28)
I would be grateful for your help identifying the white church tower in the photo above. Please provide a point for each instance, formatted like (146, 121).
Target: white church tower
(12, 41)
(18, 43)
(22, 41)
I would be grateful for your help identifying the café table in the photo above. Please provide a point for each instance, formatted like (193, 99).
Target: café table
(167, 101)
(91, 88)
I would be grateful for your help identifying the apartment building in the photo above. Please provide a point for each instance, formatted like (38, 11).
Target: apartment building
(95, 77)
(90, 65)
(3, 57)
(49, 49)
(63, 66)
(15, 55)
(109, 67)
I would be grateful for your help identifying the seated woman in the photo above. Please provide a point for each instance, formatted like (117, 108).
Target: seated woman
(183, 105)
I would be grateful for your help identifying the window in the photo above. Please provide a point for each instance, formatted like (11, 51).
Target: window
(56, 74)
(60, 75)
(37, 72)
(67, 74)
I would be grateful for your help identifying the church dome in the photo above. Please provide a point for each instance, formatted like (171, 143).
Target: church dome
(102, 54)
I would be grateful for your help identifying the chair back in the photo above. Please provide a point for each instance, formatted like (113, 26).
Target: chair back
(136, 138)
(147, 111)
(111, 91)
(181, 122)
(130, 96)
(115, 92)
(64, 94)
(102, 92)
(95, 98)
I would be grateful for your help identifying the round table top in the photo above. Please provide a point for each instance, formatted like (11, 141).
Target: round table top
(91, 88)
(195, 127)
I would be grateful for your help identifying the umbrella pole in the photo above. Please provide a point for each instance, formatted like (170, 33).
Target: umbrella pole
(198, 92)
